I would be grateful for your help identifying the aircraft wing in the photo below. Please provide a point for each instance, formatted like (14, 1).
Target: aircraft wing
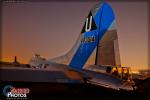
(55, 73)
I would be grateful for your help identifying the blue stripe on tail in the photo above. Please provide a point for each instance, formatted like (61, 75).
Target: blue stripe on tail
(90, 39)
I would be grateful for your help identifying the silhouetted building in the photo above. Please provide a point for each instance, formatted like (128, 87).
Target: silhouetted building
(15, 60)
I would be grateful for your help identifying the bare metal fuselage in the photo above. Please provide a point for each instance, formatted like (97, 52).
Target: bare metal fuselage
(59, 73)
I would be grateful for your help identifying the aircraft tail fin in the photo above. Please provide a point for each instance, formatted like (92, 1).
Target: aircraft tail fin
(97, 42)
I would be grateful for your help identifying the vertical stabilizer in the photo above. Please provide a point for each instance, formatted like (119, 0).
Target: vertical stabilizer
(97, 42)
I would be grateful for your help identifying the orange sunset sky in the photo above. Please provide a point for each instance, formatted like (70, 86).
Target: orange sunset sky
(51, 28)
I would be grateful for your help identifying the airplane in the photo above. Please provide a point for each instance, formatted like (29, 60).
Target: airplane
(94, 58)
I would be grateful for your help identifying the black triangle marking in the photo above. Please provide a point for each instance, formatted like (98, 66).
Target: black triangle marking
(89, 27)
